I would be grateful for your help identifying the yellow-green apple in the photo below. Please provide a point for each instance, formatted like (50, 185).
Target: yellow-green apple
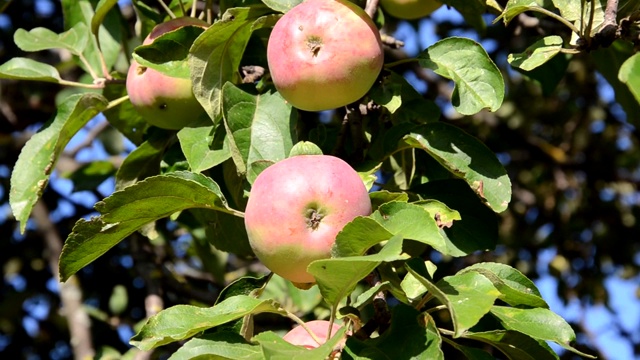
(299, 335)
(164, 101)
(296, 208)
(323, 54)
(409, 9)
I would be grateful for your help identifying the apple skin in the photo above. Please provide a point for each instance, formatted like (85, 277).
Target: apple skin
(324, 54)
(163, 101)
(409, 9)
(297, 207)
(299, 335)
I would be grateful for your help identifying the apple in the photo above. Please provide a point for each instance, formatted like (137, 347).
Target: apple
(409, 9)
(296, 208)
(164, 101)
(299, 335)
(324, 54)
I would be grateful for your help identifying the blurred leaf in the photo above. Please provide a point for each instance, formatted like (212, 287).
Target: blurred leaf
(216, 54)
(295, 300)
(539, 323)
(39, 155)
(91, 174)
(260, 128)
(168, 53)
(181, 322)
(549, 74)
(515, 345)
(128, 210)
(471, 10)
(40, 38)
(224, 231)
(102, 9)
(609, 62)
(517, 7)
(337, 277)
(119, 300)
(468, 296)
(478, 81)
(219, 345)
(381, 197)
(406, 338)
(515, 288)
(467, 157)
(26, 69)
(143, 161)
(204, 146)
(630, 75)
(537, 54)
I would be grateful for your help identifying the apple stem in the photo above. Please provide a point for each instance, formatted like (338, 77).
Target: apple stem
(299, 321)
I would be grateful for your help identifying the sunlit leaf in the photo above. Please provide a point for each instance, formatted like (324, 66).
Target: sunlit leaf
(75, 39)
(537, 54)
(27, 69)
(630, 75)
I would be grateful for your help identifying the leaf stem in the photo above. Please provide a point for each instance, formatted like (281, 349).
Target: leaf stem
(436, 308)
(423, 301)
(81, 85)
(400, 62)
(557, 17)
(116, 102)
(90, 69)
(167, 9)
(233, 212)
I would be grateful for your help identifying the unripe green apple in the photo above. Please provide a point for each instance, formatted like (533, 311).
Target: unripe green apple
(324, 54)
(297, 207)
(409, 9)
(299, 335)
(164, 101)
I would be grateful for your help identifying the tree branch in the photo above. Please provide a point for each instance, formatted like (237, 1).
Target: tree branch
(70, 292)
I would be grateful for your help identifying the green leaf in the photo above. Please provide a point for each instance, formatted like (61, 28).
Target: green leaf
(224, 231)
(102, 9)
(358, 236)
(383, 196)
(40, 154)
(478, 81)
(402, 100)
(204, 146)
(337, 277)
(26, 69)
(478, 227)
(515, 288)
(75, 39)
(215, 56)
(412, 287)
(408, 335)
(537, 54)
(90, 175)
(471, 10)
(517, 7)
(169, 52)
(305, 148)
(127, 210)
(219, 345)
(515, 345)
(184, 321)
(411, 222)
(468, 296)
(629, 74)
(260, 128)
(538, 323)
(465, 156)
(281, 5)
(295, 300)
(276, 348)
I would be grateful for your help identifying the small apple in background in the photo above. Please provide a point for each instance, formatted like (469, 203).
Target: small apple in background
(409, 9)
(296, 208)
(164, 101)
(299, 335)
(324, 54)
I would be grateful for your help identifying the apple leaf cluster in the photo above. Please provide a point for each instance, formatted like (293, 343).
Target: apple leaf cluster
(438, 188)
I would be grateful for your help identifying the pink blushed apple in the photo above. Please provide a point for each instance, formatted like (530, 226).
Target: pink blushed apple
(324, 54)
(299, 335)
(297, 207)
(164, 101)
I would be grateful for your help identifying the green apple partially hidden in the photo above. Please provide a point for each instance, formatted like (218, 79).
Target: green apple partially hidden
(409, 9)
(164, 101)
(297, 207)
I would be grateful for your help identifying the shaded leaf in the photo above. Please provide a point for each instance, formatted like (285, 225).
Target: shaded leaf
(515, 345)
(629, 74)
(281, 5)
(102, 9)
(144, 160)
(478, 81)
(40, 154)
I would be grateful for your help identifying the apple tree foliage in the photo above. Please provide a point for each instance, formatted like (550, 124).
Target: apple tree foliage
(436, 189)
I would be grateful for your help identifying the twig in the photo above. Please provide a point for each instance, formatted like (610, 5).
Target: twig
(88, 140)
(70, 292)
(391, 41)
(371, 7)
